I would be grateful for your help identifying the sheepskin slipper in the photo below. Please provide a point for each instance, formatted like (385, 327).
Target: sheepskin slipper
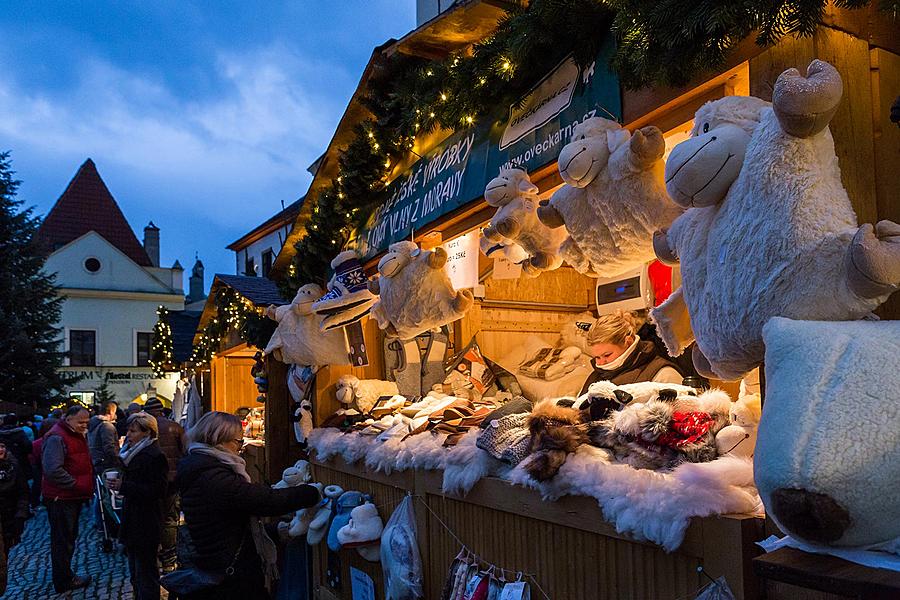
(343, 507)
(364, 527)
(318, 526)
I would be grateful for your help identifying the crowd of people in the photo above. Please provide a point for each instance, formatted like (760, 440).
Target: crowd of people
(161, 474)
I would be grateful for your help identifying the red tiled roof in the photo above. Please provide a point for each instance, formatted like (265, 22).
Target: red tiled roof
(85, 206)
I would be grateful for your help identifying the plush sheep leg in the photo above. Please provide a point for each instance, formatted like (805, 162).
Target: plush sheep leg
(549, 215)
(509, 227)
(463, 301)
(646, 147)
(673, 323)
(490, 232)
(572, 254)
(662, 249)
(438, 258)
(805, 105)
(873, 260)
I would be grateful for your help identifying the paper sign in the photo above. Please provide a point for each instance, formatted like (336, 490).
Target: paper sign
(462, 260)
(361, 584)
(506, 269)
(513, 591)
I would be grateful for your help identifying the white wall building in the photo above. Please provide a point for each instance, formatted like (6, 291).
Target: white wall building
(255, 251)
(113, 285)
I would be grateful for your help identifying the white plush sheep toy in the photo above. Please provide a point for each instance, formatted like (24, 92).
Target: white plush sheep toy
(516, 220)
(739, 437)
(297, 340)
(415, 293)
(614, 200)
(364, 392)
(504, 247)
(295, 475)
(769, 229)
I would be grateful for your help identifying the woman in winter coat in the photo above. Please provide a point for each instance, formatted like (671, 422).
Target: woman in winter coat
(221, 509)
(13, 505)
(142, 485)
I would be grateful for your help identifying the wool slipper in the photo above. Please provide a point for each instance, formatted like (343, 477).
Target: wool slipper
(343, 506)
(364, 527)
(318, 527)
(347, 287)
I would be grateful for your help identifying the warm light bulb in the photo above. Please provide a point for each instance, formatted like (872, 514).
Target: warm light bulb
(443, 96)
(469, 120)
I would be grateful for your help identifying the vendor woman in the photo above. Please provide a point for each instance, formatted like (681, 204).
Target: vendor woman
(622, 357)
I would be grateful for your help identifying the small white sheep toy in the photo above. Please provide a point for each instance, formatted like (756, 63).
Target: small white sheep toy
(297, 340)
(516, 220)
(415, 293)
(364, 392)
(739, 437)
(614, 200)
(294, 476)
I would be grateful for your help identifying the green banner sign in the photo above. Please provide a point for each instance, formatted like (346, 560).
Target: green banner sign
(528, 136)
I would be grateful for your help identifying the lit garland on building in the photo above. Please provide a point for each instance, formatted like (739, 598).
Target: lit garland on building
(233, 313)
(664, 42)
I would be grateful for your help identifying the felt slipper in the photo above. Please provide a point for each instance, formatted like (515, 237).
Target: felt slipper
(342, 509)
(318, 526)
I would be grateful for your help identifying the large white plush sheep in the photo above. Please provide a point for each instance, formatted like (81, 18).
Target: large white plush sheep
(415, 293)
(516, 220)
(614, 200)
(769, 229)
(297, 340)
(827, 457)
(350, 389)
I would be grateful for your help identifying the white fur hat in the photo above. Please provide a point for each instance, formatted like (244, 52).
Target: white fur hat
(364, 528)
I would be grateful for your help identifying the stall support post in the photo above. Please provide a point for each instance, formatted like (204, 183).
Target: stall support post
(278, 420)
(723, 540)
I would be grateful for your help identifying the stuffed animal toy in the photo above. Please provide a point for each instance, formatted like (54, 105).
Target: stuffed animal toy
(350, 389)
(299, 524)
(739, 437)
(294, 476)
(516, 220)
(318, 525)
(827, 457)
(415, 292)
(343, 507)
(556, 431)
(769, 229)
(614, 200)
(504, 247)
(363, 532)
(297, 340)
(348, 299)
(667, 430)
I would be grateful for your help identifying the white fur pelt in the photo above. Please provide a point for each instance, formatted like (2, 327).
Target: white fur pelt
(775, 246)
(649, 505)
(466, 464)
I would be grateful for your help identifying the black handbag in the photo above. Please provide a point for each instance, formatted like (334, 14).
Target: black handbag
(190, 580)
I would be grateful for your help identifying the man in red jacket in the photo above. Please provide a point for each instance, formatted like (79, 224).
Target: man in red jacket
(68, 482)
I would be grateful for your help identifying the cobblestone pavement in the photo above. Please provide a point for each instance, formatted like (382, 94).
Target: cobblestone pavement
(29, 565)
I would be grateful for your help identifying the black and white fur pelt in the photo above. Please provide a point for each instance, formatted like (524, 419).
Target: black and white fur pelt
(632, 433)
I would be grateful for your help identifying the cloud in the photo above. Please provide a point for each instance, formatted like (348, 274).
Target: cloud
(241, 150)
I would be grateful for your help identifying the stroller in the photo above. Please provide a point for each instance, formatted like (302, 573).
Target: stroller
(110, 511)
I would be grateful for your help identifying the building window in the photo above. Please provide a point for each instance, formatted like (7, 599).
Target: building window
(83, 398)
(144, 341)
(268, 257)
(249, 267)
(82, 348)
(92, 264)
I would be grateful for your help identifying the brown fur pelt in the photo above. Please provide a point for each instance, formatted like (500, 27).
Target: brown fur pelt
(556, 431)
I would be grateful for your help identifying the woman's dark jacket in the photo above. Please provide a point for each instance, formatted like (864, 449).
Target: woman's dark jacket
(13, 499)
(218, 503)
(143, 486)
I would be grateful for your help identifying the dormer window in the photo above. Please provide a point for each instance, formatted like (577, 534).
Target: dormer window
(92, 264)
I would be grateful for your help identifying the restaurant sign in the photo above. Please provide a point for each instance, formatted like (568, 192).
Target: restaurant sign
(529, 135)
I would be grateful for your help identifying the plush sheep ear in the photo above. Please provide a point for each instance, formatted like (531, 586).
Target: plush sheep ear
(615, 138)
(526, 187)
(416, 252)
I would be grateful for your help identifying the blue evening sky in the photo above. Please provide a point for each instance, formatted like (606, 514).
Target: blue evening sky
(202, 116)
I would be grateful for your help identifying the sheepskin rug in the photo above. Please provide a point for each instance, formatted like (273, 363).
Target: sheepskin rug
(647, 505)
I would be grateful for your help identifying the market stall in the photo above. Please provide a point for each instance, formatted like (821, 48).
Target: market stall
(445, 366)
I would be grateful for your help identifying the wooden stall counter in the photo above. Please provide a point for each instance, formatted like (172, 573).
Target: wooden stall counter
(567, 545)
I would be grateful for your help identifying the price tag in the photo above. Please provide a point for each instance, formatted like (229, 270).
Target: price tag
(462, 261)
(513, 591)
(506, 269)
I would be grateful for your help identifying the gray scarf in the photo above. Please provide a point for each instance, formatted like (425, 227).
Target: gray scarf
(265, 547)
(128, 451)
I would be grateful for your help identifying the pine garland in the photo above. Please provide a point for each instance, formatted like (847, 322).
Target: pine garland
(233, 313)
(659, 42)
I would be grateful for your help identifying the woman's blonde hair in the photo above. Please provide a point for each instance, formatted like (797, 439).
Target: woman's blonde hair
(215, 428)
(613, 329)
(146, 422)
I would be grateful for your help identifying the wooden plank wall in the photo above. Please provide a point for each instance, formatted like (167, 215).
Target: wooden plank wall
(232, 383)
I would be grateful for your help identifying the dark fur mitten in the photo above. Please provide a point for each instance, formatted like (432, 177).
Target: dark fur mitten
(555, 432)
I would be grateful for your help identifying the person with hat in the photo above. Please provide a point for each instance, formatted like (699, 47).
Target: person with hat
(173, 443)
(142, 485)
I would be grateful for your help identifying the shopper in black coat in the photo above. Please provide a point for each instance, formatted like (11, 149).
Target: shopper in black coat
(13, 505)
(143, 485)
(221, 507)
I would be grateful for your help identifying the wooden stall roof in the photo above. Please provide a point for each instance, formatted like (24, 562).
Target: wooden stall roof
(259, 290)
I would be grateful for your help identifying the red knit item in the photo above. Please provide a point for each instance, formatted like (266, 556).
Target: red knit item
(686, 428)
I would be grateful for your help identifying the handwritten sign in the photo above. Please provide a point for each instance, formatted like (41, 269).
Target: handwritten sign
(462, 260)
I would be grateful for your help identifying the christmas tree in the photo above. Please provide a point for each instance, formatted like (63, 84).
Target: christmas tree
(103, 394)
(30, 356)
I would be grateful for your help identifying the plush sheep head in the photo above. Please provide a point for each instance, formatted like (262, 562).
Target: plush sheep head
(345, 389)
(746, 411)
(507, 185)
(701, 169)
(306, 295)
(593, 140)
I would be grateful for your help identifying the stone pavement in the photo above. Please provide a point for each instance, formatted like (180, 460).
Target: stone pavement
(29, 565)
